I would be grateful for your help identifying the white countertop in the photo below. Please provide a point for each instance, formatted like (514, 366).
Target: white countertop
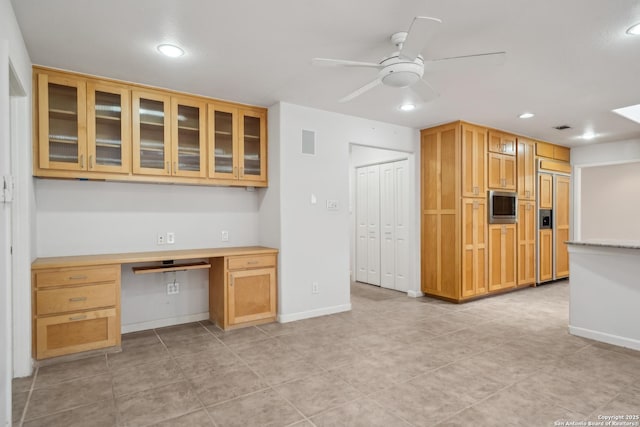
(606, 243)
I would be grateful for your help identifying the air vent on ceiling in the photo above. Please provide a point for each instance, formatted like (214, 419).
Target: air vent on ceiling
(562, 127)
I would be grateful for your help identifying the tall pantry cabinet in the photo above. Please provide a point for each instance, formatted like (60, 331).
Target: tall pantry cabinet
(526, 226)
(454, 211)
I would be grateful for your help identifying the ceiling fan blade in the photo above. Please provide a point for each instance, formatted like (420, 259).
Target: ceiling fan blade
(425, 91)
(421, 30)
(489, 58)
(326, 62)
(360, 91)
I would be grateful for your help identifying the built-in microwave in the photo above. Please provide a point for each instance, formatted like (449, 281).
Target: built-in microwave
(503, 207)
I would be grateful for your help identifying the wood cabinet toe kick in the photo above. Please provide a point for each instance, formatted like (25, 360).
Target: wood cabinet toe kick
(76, 299)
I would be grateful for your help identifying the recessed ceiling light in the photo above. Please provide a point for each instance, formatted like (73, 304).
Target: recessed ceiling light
(407, 107)
(631, 112)
(634, 30)
(170, 50)
(526, 115)
(588, 135)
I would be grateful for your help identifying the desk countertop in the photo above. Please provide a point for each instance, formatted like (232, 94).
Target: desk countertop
(135, 257)
(603, 243)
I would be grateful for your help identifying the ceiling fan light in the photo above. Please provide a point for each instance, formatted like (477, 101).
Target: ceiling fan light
(526, 115)
(400, 79)
(170, 50)
(407, 107)
(634, 30)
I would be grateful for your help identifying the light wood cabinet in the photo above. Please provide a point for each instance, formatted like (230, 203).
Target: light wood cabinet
(474, 163)
(474, 247)
(502, 256)
(526, 168)
(551, 151)
(545, 186)
(545, 255)
(526, 242)
(237, 144)
(75, 309)
(242, 290)
(503, 143)
(502, 172)
(561, 214)
(94, 128)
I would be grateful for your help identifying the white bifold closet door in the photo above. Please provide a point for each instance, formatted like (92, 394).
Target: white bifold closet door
(382, 254)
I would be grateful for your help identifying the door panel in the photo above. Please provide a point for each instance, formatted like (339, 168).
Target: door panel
(387, 225)
(361, 225)
(545, 257)
(401, 229)
(545, 186)
(561, 213)
(373, 225)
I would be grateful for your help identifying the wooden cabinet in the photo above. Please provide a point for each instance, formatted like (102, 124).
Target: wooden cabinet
(474, 163)
(561, 214)
(545, 255)
(526, 169)
(551, 151)
(502, 172)
(503, 143)
(75, 309)
(95, 128)
(474, 247)
(526, 242)
(242, 290)
(545, 186)
(502, 256)
(237, 144)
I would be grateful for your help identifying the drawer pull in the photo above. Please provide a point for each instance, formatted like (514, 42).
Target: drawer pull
(81, 317)
(77, 299)
(82, 277)
(252, 262)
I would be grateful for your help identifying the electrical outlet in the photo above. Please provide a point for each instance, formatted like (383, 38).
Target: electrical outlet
(171, 238)
(161, 239)
(173, 288)
(225, 236)
(314, 288)
(332, 205)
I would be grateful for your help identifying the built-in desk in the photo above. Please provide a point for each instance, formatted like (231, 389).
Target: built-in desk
(76, 299)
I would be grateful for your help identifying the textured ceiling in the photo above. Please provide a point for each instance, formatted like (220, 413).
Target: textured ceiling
(570, 62)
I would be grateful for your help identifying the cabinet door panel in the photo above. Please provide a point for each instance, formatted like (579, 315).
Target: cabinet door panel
(62, 133)
(526, 170)
(223, 142)
(509, 172)
(495, 257)
(474, 247)
(502, 143)
(495, 171)
(108, 128)
(545, 257)
(545, 186)
(252, 295)
(151, 133)
(188, 137)
(526, 242)
(252, 148)
(474, 163)
(561, 214)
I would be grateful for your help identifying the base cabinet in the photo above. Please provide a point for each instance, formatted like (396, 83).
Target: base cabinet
(526, 242)
(502, 256)
(242, 290)
(75, 309)
(545, 256)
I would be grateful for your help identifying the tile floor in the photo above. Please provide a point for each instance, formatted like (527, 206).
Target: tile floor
(391, 361)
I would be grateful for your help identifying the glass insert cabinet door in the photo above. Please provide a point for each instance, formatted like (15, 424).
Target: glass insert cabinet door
(252, 155)
(223, 140)
(62, 137)
(188, 137)
(108, 128)
(151, 133)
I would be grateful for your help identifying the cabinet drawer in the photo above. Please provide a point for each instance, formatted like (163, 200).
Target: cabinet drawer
(77, 276)
(76, 332)
(251, 261)
(75, 298)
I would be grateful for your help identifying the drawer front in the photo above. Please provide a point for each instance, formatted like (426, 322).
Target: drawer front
(75, 298)
(77, 276)
(251, 261)
(76, 332)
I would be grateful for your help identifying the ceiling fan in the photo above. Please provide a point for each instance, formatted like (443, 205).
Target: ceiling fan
(405, 67)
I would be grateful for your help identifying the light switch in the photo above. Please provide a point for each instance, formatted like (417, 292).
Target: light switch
(314, 200)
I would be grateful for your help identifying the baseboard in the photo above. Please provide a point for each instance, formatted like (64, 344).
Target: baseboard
(604, 337)
(160, 323)
(414, 294)
(285, 318)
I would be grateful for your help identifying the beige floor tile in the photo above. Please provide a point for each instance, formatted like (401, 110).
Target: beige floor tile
(195, 419)
(226, 383)
(259, 409)
(182, 331)
(70, 394)
(136, 339)
(138, 355)
(158, 404)
(21, 384)
(100, 414)
(52, 374)
(317, 393)
(207, 362)
(132, 379)
(192, 344)
(18, 402)
(283, 369)
(241, 336)
(360, 413)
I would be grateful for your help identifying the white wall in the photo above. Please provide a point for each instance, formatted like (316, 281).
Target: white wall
(315, 241)
(13, 54)
(587, 222)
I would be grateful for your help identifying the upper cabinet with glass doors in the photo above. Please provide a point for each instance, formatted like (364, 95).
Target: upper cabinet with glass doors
(82, 125)
(237, 145)
(95, 128)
